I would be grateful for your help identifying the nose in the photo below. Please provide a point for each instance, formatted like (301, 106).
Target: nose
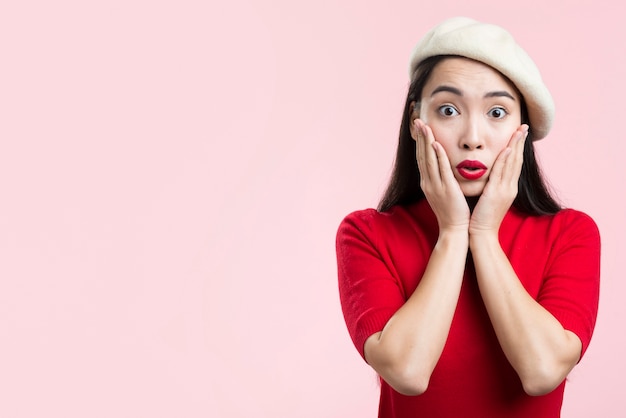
(473, 136)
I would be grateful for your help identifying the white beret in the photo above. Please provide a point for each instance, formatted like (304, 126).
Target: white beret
(494, 46)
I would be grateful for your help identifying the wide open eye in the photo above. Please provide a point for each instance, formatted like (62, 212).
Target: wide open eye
(497, 112)
(448, 110)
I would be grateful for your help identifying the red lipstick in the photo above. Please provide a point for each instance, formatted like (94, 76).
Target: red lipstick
(471, 170)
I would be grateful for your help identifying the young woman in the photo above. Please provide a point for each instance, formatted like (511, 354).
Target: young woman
(470, 291)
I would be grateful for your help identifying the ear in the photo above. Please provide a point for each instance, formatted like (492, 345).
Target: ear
(414, 112)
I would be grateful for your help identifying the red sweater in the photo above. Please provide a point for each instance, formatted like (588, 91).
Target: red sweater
(381, 258)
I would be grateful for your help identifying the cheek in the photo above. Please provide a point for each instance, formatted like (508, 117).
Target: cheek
(444, 135)
(502, 137)
(501, 144)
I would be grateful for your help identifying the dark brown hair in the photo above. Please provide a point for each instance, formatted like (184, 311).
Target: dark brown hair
(533, 196)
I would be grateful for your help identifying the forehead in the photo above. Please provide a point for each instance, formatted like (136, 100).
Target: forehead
(468, 76)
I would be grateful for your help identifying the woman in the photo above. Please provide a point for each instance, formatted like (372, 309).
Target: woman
(470, 291)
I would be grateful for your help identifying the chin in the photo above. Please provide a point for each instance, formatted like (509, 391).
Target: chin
(474, 191)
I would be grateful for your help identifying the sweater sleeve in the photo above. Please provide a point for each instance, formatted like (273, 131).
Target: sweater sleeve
(571, 286)
(369, 293)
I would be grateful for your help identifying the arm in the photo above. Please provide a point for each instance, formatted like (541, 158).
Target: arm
(406, 351)
(540, 350)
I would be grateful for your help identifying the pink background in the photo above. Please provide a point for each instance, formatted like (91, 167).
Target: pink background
(172, 174)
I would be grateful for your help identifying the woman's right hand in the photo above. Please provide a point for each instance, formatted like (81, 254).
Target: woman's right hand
(438, 183)
(407, 350)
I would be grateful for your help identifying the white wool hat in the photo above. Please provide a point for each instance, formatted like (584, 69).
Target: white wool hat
(494, 46)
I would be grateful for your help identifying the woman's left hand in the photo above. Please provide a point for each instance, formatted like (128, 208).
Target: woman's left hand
(501, 188)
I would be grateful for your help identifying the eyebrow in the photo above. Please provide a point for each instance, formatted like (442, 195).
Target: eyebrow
(500, 94)
(454, 90)
(449, 89)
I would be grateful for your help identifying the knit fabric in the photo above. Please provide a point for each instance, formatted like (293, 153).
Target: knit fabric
(381, 258)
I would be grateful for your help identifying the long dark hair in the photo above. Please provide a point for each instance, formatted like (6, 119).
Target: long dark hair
(533, 196)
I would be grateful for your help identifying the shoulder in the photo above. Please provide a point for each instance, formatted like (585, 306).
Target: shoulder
(569, 231)
(575, 218)
(564, 221)
(574, 225)
(364, 225)
(368, 219)
(398, 221)
(577, 227)
(541, 234)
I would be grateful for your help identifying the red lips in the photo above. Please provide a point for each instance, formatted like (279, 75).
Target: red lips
(471, 169)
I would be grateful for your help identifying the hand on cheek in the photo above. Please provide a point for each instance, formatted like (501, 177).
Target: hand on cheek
(437, 181)
(502, 186)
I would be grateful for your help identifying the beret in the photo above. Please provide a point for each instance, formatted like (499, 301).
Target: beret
(494, 46)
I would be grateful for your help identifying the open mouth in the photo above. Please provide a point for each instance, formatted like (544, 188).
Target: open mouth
(471, 170)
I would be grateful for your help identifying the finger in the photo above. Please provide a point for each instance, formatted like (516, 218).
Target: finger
(513, 165)
(445, 172)
(425, 153)
(497, 171)
(519, 155)
(507, 160)
(431, 158)
(420, 150)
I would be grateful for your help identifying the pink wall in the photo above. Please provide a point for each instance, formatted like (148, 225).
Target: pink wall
(172, 175)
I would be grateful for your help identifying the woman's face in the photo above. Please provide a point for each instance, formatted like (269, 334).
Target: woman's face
(473, 111)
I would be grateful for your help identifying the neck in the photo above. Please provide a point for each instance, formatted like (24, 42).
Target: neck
(471, 202)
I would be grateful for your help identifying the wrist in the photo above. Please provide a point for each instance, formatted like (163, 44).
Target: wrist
(453, 237)
(483, 237)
